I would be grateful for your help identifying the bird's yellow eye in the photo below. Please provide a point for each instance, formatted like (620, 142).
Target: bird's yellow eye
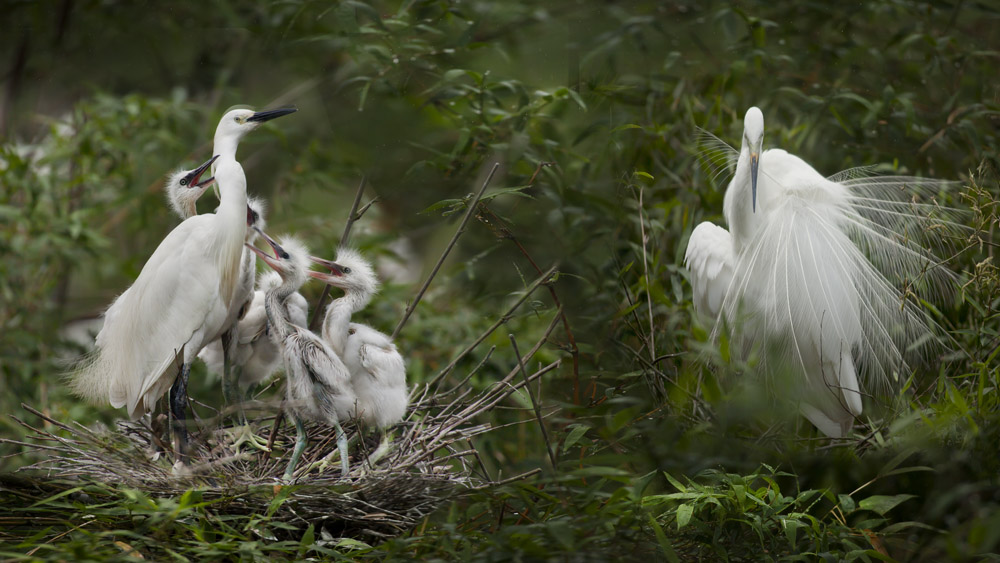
(237, 119)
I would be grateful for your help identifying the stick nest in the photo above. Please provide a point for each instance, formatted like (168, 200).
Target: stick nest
(433, 461)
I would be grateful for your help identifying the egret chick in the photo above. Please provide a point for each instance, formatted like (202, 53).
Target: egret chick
(808, 261)
(378, 373)
(318, 383)
(185, 187)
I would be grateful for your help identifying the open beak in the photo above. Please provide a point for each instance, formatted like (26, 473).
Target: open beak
(754, 161)
(271, 261)
(279, 253)
(193, 178)
(269, 114)
(336, 271)
(335, 268)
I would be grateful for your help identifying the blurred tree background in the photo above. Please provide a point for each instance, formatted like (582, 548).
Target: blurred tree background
(667, 448)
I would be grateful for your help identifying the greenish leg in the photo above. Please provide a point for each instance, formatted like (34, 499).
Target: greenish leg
(385, 444)
(301, 439)
(345, 467)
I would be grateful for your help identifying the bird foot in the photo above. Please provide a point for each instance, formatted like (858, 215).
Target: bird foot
(383, 448)
(331, 459)
(243, 434)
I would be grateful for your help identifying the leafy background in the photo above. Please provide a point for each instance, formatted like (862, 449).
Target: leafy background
(668, 448)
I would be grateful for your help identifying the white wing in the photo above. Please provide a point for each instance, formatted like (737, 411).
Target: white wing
(709, 260)
(378, 376)
(319, 386)
(298, 309)
(136, 349)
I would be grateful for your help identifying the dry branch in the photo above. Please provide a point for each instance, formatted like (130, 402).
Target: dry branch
(447, 250)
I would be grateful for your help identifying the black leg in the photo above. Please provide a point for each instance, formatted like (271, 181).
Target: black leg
(178, 407)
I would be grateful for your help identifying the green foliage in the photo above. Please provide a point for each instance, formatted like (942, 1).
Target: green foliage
(665, 440)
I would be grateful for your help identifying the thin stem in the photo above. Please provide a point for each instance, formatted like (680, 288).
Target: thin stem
(451, 244)
(645, 273)
(503, 232)
(534, 402)
(503, 319)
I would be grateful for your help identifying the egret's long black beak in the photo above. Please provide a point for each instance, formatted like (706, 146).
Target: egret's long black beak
(754, 160)
(269, 114)
(191, 179)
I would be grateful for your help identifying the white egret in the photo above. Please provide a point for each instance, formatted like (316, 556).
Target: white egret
(225, 146)
(180, 300)
(378, 373)
(178, 304)
(807, 267)
(317, 381)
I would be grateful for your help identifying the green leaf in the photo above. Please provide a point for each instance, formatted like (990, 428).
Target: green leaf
(661, 538)
(308, 539)
(684, 513)
(847, 503)
(677, 484)
(883, 503)
(453, 75)
(576, 432)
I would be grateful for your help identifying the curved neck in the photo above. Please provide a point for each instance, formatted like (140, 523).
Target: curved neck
(338, 318)
(225, 146)
(276, 312)
(738, 204)
(231, 217)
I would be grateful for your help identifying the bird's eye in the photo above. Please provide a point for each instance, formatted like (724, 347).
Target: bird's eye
(184, 181)
(237, 119)
(347, 270)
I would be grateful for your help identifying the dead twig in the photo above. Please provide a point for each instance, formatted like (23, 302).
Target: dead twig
(534, 402)
(447, 250)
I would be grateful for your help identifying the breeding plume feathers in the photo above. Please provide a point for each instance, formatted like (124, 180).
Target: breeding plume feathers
(824, 273)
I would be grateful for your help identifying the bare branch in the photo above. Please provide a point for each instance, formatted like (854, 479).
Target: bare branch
(451, 244)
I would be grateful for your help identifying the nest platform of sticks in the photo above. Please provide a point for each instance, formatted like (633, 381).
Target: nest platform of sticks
(430, 460)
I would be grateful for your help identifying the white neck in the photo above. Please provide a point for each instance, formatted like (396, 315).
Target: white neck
(231, 217)
(225, 146)
(738, 204)
(338, 318)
